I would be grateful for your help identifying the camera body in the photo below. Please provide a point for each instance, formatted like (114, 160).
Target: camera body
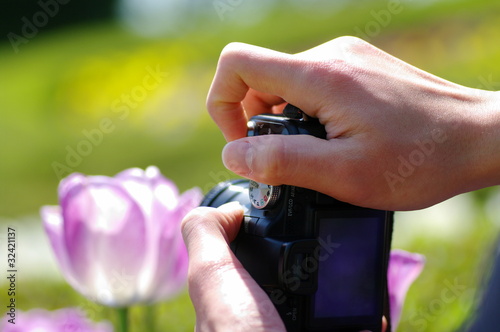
(322, 262)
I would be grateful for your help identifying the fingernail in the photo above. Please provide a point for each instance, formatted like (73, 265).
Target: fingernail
(230, 207)
(237, 157)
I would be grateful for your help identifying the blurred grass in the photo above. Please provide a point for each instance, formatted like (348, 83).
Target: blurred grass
(63, 83)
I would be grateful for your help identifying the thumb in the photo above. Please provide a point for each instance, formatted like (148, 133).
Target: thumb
(218, 226)
(298, 160)
(224, 295)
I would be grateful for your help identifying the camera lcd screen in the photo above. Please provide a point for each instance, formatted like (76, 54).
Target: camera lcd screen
(350, 262)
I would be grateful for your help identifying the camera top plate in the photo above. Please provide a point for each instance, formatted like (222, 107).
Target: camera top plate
(263, 195)
(292, 122)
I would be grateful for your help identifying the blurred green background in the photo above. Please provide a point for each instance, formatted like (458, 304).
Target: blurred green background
(73, 98)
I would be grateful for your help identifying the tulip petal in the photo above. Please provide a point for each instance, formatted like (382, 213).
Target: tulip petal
(131, 177)
(404, 268)
(147, 186)
(189, 200)
(53, 225)
(62, 320)
(68, 183)
(173, 258)
(172, 273)
(165, 191)
(104, 233)
(118, 239)
(158, 197)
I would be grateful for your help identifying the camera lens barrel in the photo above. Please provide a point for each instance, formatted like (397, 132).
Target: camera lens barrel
(228, 191)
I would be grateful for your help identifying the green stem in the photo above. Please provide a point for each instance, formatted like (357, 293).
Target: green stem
(122, 319)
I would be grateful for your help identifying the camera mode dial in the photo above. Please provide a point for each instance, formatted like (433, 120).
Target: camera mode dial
(263, 195)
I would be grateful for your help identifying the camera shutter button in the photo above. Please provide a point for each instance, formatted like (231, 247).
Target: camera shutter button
(263, 195)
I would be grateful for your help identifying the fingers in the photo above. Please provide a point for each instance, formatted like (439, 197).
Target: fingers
(209, 230)
(240, 68)
(384, 326)
(210, 260)
(298, 160)
(223, 293)
(261, 78)
(257, 102)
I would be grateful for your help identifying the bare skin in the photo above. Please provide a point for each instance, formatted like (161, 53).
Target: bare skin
(399, 138)
(224, 295)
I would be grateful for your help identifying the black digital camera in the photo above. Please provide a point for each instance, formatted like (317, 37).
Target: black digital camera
(322, 262)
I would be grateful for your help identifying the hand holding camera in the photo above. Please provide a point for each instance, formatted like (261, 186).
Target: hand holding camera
(378, 112)
(322, 262)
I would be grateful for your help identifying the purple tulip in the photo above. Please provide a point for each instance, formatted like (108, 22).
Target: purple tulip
(117, 239)
(62, 320)
(404, 268)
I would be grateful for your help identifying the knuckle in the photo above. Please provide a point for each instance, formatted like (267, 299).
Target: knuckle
(196, 218)
(354, 47)
(340, 69)
(350, 41)
(233, 47)
(273, 160)
(233, 53)
(336, 74)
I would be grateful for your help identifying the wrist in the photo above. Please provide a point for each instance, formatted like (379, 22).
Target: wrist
(482, 164)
